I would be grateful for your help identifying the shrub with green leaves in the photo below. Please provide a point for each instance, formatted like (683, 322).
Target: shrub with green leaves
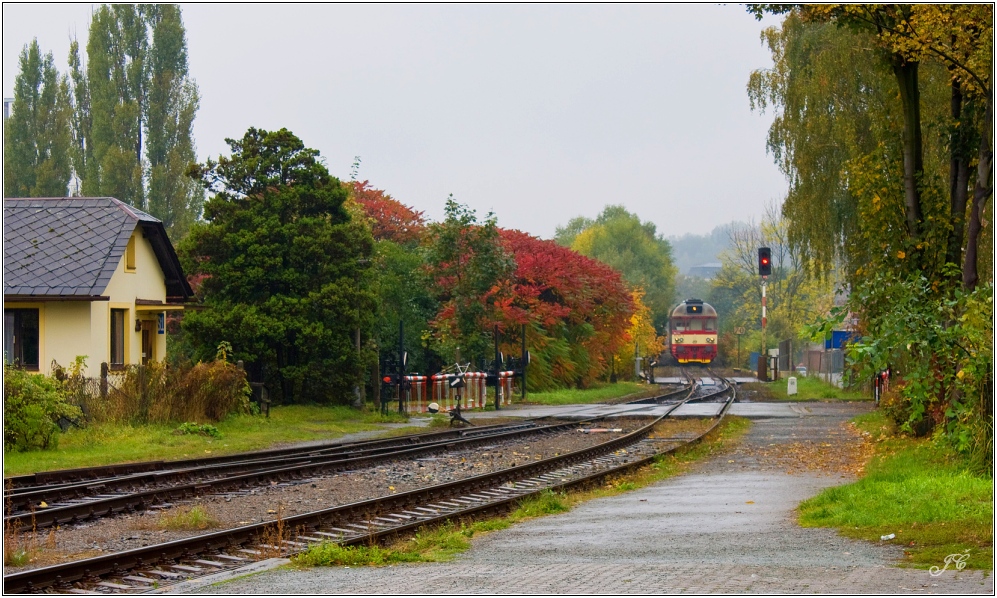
(938, 340)
(32, 404)
(201, 429)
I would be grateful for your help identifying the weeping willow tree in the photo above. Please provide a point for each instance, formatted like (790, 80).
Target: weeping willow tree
(883, 115)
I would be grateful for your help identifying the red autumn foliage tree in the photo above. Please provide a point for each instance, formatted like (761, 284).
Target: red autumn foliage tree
(577, 310)
(392, 220)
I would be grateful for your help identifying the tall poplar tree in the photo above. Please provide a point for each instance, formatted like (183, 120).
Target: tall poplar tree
(36, 148)
(134, 108)
(171, 103)
(116, 52)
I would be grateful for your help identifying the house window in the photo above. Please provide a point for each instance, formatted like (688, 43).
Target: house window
(20, 337)
(118, 337)
(130, 254)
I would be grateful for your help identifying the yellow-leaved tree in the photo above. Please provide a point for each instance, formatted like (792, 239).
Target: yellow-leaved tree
(644, 339)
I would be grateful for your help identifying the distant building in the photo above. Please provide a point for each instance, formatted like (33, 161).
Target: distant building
(8, 104)
(75, 186)
(706, 270)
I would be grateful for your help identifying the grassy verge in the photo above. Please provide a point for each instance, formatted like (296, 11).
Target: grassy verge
(917, 490)
(102, 445)
(187, 519)
(595, 394)
(808, 389)
(444, 542)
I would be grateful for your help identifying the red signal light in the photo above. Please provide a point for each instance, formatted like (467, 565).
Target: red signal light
(764, 261)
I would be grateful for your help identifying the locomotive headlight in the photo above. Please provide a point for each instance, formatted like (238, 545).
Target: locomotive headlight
(710, 340)
(680, 340)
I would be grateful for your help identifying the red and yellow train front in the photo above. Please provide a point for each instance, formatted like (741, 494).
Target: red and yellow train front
(692, 332)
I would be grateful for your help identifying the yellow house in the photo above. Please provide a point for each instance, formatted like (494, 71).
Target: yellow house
(86, 276)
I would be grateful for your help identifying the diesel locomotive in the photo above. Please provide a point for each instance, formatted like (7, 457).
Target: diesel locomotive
(692, 332)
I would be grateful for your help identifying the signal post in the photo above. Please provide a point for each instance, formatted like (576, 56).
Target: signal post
(764, 270)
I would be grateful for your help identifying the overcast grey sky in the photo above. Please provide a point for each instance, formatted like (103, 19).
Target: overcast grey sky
(539, 113)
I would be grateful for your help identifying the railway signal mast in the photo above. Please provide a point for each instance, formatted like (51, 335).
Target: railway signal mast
(764, 270)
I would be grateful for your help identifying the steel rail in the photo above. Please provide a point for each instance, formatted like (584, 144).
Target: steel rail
(23, 499)
(68, 476)
(665, 397)
(283, 472)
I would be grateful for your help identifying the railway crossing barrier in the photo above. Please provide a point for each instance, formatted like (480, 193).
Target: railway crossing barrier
(473, 396)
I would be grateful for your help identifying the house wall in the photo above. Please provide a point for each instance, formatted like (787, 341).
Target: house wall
(144, 282)
(65, 335)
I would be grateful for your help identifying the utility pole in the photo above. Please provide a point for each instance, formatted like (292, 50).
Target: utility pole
(401, 366)
(525, 362)
(498, 369)
(765, 344)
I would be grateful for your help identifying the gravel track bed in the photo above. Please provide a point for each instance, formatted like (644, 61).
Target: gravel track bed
(136, 530)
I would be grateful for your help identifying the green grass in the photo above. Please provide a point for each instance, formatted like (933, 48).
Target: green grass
(432, 545)
(102, 445)
(918, 490)
(808, 389)
(186, 519)
(595, 394)
(444, 542)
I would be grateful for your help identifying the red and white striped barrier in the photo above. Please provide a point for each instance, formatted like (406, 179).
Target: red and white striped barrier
(437, 389)
(415, 397)
(505, 383)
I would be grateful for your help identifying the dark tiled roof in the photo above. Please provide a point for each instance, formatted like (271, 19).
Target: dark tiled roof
(65, 246)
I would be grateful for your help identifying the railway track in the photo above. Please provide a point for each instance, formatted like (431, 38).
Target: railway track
(68, 502)
(69, 476)
(367, 521)
(41, 500)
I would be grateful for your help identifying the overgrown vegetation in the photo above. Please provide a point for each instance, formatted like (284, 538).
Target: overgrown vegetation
(921, 491)
(162, 392)
(37, 406)
(941, 340)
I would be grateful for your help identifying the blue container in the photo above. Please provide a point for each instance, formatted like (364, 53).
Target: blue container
(839, 338)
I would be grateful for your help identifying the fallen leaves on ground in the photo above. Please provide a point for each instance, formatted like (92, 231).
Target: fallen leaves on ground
(845, 454)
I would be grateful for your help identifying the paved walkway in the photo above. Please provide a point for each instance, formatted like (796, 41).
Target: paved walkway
(727, 527)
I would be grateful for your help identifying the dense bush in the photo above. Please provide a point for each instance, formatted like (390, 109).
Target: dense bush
(32, 404)
(162, 392)
(938, 341)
